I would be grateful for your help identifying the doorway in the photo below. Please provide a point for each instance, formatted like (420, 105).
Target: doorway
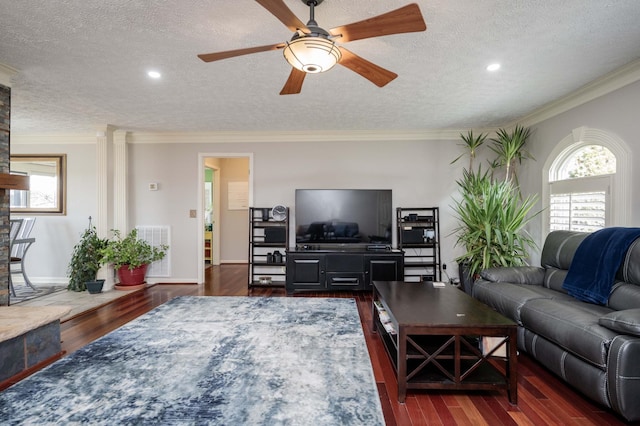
(211, 177)
(225, 191)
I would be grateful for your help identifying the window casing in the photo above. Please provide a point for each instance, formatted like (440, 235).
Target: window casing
(47, 184)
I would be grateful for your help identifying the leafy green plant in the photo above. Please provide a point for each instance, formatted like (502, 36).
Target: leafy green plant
(86, 259)
(130, 250)
(491, 223)
(491, 213)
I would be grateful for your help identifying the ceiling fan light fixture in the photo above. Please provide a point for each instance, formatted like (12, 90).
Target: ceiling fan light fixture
(312, 54)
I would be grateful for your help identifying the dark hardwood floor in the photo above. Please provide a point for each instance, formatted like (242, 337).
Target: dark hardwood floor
(543, 398)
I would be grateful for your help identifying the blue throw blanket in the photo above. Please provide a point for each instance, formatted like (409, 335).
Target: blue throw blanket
(595, 263)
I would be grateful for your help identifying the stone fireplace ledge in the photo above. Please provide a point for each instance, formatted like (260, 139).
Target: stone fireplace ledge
(18, 320)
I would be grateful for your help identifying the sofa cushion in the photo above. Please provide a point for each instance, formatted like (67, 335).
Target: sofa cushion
(627, 321)
(559, 248)
(508, 298)
(589, 379)
(553, 279)
(624, 296)
(516, 274)
(630, 269)
(572, 325)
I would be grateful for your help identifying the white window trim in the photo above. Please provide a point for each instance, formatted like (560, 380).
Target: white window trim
(621, 191)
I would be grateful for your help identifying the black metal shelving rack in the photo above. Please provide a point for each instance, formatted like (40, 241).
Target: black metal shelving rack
(418, 233)
(261, 245)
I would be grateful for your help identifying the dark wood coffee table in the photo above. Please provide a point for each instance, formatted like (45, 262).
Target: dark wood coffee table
(432, 337)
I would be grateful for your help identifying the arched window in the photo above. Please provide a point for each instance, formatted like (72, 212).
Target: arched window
(587, 176)
(580, 188)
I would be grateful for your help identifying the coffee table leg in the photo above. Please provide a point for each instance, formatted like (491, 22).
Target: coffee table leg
(402, 365)
(512, 371)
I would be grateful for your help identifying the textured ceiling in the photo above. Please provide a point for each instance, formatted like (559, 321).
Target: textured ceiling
(83, 64)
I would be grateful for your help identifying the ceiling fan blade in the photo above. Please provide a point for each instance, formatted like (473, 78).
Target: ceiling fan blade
(284, 14)
(407, 19)
(294, 82)
(372, 72)
(210, 57)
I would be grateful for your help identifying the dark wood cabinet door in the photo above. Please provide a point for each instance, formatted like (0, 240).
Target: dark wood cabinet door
(305, 272)
(388, 268)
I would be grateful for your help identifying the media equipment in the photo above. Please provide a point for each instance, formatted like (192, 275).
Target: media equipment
(414, 235)
(343, 216)
(275, 235)
(376, 247)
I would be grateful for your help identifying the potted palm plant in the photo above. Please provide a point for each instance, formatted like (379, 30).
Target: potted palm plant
(492, 214)
(85, 262)
(131, 256)
(491, 225)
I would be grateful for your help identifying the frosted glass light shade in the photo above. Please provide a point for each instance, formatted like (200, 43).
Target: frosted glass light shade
(312, 54)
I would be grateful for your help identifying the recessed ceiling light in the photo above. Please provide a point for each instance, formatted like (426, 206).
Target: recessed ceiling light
(493, 67)
(154, 74)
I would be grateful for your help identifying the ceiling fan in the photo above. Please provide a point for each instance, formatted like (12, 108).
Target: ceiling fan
(312, 49)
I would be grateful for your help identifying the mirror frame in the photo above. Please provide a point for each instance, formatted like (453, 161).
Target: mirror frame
(60, 161)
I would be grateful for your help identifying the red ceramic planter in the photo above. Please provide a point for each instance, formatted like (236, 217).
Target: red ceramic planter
(132, 276)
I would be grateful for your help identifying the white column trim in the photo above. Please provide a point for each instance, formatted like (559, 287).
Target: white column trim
(104, 137)
(120, 181)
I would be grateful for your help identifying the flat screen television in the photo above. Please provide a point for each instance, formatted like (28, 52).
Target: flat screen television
(343, 216)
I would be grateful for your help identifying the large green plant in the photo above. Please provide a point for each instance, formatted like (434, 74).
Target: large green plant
(86, 259)
(491, 223)
(130, 251)
(491, 213)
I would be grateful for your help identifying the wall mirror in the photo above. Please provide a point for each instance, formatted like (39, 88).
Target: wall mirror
(47, 184)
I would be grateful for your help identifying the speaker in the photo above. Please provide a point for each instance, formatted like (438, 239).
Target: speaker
(413, 236)
(275, 235)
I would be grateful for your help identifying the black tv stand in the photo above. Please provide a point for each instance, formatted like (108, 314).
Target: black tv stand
(341, 268)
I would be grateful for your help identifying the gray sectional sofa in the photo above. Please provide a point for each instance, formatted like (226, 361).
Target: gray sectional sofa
(595, 348)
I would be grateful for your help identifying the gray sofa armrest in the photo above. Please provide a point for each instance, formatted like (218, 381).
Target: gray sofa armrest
(531, 275)
(623, 376)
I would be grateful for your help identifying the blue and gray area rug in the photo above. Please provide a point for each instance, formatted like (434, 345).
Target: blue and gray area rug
(212, 360)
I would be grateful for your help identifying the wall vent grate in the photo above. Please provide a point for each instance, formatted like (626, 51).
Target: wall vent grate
(156, 236)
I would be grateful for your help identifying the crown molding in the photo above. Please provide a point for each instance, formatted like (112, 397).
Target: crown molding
(6, 73)
(606, 84)
(245, 137)
(53, 139)
(298, 136)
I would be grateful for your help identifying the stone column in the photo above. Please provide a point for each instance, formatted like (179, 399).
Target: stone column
(5, 159)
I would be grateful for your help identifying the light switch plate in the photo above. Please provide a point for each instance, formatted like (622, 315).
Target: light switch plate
(193, 213)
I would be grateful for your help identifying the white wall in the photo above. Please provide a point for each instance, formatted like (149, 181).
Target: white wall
(47, 259)
(418, 172)
(616, 113)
